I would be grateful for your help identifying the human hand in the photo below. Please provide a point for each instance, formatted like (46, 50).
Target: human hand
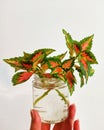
(68, 124)
(36, 123)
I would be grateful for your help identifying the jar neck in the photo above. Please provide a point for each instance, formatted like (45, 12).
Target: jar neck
(48, 83)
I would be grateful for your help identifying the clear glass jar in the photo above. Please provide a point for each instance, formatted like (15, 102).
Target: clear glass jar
(50, 99)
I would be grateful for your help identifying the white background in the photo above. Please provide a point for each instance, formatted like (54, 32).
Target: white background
(26, 25)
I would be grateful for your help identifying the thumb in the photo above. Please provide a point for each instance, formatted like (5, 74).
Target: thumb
(35, 121)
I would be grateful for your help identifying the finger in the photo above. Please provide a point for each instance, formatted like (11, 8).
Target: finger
(35, 121)
(72, 111)
(68, 123)
(58, 126)
(45, 126)
(76, 125)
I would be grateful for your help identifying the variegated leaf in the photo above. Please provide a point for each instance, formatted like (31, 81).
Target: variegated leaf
(61, 56)
(44, 66)
(76, 48)
(61, 76)
(14, 62)
(67, 64)
(48, 51)
(37, 55)
(81, 79)
(84, 66)
(89, 56)
(77, 67)
(21, 77)
(53, 62)
(57, 70)
(37, 61)
(47, 75)
(69, 42)
(70, 81)
(86, 43)
(27, 56)
(27, 65)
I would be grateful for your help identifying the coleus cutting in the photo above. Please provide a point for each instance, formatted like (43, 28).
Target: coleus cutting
(39, 62)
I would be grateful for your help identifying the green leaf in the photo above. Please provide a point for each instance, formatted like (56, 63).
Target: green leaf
(84, 67)
(21, 77)
(14, 62)
(27, 56)
(69, 42)
(91, 71)
(81, 79)
(61, 56)
(48, 51)
(80, 75)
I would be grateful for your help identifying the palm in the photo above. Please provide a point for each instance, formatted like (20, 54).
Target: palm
(68, 124)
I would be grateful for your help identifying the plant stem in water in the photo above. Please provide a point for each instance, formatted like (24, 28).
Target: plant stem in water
(62, 96)
(42, 96)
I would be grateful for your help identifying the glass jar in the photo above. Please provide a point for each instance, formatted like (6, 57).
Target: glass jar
(50, 99)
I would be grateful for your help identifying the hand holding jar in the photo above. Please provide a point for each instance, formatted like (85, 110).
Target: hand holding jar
(68, 124)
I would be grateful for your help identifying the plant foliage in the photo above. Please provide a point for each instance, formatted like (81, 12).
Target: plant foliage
(80, 59)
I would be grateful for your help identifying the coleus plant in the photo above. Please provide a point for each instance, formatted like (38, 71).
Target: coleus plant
(80, 59)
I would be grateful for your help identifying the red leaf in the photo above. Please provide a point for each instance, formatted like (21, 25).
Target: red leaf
(36, 56)
(70, 78)
(53, 64)
(84, 63)
(24, 76)
(86, 43)
(47, 75)
(67, 64)
(27, 65)
(57, 70)
(89, 57)
(44, 67)
(21, 77)
(76, 48)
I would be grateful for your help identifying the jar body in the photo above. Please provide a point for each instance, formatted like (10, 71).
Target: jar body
(50, 99)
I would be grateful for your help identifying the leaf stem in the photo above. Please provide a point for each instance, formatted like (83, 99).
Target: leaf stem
(41, 97)
(62, 96)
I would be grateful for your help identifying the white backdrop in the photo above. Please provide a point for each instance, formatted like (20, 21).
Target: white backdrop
(28, 25)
